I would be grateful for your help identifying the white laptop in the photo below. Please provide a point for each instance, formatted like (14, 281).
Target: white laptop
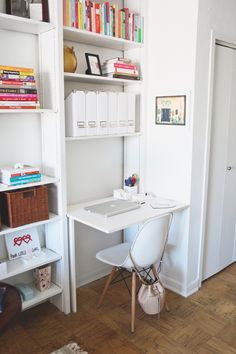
(113, 207)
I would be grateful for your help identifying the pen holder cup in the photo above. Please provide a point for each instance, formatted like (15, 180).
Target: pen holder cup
(131, 190)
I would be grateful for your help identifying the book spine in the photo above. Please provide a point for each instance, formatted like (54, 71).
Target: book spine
(97, 18)
(7, 174)
(125, 66)
(119, 24)
(81, 24)
(139, 30)
(68, 23)
(32, 180)
(10, 99)
(132, 27)
(45, 10)
(16, 95)
(72, 3)
(101, 19)
(21, 178)
(18, 90)
(18, 103)
(123, 25)
(18, 83)
(142, 29)
(76, 14)
(64, 12)
(16, 77)
(120, 70)
(126, 13)
(107, 19)
(13, 68)
(19, 107)
(111, 21)
(15, 72)
(92, 11)
(136, 28)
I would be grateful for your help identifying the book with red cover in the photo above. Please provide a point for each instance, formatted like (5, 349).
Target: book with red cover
(97, 18)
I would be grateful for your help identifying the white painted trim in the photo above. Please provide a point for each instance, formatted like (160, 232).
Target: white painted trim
(215, 37)
(90, 277)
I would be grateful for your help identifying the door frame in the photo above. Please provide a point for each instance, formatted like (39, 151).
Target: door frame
(216, 38)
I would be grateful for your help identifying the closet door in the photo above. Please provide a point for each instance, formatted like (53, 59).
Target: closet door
(221, 209)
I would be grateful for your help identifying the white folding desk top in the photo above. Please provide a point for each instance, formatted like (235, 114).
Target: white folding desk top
(120, 221)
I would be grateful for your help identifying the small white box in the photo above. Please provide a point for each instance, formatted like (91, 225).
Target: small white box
(112, 112)
(102, 113)
(122, 112)
(36, 12)
(91, 113)
(75, 114)
(131, 102)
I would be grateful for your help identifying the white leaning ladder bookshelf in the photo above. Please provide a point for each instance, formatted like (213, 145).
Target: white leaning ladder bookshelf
(35, 137)
(96, 164)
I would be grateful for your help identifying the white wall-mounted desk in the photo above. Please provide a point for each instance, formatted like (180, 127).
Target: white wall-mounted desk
(76, 213)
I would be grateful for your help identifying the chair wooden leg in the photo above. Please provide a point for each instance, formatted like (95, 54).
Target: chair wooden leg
(106, 287)
(166, 305)
(133, 300)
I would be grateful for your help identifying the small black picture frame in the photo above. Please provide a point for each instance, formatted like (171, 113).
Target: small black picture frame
(93, 64)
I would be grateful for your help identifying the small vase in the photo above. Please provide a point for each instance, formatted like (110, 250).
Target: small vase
(70, 60)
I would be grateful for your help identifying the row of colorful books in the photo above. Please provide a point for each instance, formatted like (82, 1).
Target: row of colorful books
(120, 68)
(103, 18)
(20, 175)
(18, 88)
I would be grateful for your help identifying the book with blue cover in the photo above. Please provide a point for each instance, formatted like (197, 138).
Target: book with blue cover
(2, 298)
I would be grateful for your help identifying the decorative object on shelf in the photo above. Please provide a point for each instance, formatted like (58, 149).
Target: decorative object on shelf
(18, 7)
(93, 64)
(104, 19)
(70, 60)
(20, 174)
(120, 68)
(23, 243)
(42, 276)
(25, 291)
(131, 184)
(18, 88)
(36, 10)
(24, 206)
(171, 110)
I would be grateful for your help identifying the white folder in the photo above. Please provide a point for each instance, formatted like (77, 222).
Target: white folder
(75, 114)
(102, 113)
(112, 112)
(131, 101)
(91, 113)
(122, 112)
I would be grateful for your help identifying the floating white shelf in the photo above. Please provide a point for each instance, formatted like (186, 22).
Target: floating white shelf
(40, 296)
(25, 25)
(52, 218)
(99, 79)
(90, 137)
(44, 180)
(98, 40)
(17, 266)
(26, 111)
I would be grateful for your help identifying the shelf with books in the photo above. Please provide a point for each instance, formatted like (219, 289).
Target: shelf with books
(52, 218)
(40, 296)
(24, 25)
(44, 180)
(18, 266)
(99, 40)
(99, 79)
(92, 137)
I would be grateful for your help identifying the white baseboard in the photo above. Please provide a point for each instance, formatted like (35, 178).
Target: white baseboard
(90, 277)
(178, 287)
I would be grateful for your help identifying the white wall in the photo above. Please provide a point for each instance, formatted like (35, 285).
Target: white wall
(171, 49)
(217, 15)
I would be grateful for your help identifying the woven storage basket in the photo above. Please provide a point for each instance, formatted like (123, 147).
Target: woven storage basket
(24, 206)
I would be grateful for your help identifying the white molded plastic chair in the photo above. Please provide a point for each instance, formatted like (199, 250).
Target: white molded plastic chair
(146, 251)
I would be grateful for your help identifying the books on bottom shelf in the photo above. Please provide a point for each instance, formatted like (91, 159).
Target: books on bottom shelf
(100, 113)
(19, 175)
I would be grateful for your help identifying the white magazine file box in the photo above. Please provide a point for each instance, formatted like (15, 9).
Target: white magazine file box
(75, 114)
(91, 112)
(102, 113)
(131, 111)
(122, 112)
(112, 112)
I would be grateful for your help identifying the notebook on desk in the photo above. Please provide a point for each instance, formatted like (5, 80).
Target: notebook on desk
(112, 207)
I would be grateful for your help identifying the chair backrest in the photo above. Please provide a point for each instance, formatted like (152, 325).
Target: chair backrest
(149, 244)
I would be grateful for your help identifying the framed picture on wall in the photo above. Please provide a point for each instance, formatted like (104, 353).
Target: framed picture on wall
(171, 110)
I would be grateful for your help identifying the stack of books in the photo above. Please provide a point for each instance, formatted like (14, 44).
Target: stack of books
(103, 18)
(18, 176)
(18, 88)
(120, 68)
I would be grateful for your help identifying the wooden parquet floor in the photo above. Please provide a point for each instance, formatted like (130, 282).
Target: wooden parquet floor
(205, 323)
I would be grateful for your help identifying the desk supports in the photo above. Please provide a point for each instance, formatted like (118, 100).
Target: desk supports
(71, 225)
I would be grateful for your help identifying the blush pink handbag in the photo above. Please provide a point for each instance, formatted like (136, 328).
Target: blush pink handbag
(152, 298)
